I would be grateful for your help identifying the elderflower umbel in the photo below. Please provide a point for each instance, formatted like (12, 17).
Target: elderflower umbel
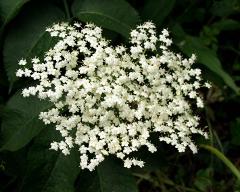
(108, 100)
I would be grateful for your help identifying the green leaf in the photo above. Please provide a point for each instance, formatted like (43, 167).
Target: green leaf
(109, 176)
(203, 180)
(208, 58)
(116, 15)
(26, 33)
(10, 8)
(20, 122)
(205, 56)
(49, 171)
(156, 10)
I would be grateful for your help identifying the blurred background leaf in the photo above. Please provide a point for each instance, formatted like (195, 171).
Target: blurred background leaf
(225, 8)
(203, 180)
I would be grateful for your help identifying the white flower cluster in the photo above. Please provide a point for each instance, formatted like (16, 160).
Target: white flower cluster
(108, 100)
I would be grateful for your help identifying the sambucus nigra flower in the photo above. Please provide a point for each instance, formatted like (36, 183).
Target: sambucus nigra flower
(107, 100)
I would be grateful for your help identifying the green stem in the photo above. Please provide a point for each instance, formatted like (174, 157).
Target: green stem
(66, 9)
(224, 159)
(218, 141)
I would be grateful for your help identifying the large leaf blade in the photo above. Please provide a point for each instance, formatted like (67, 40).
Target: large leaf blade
(20, 121)
(26, 33)
(9, 8)
(116, 15)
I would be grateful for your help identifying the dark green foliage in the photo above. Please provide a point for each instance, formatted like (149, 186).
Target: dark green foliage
(210, 29)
